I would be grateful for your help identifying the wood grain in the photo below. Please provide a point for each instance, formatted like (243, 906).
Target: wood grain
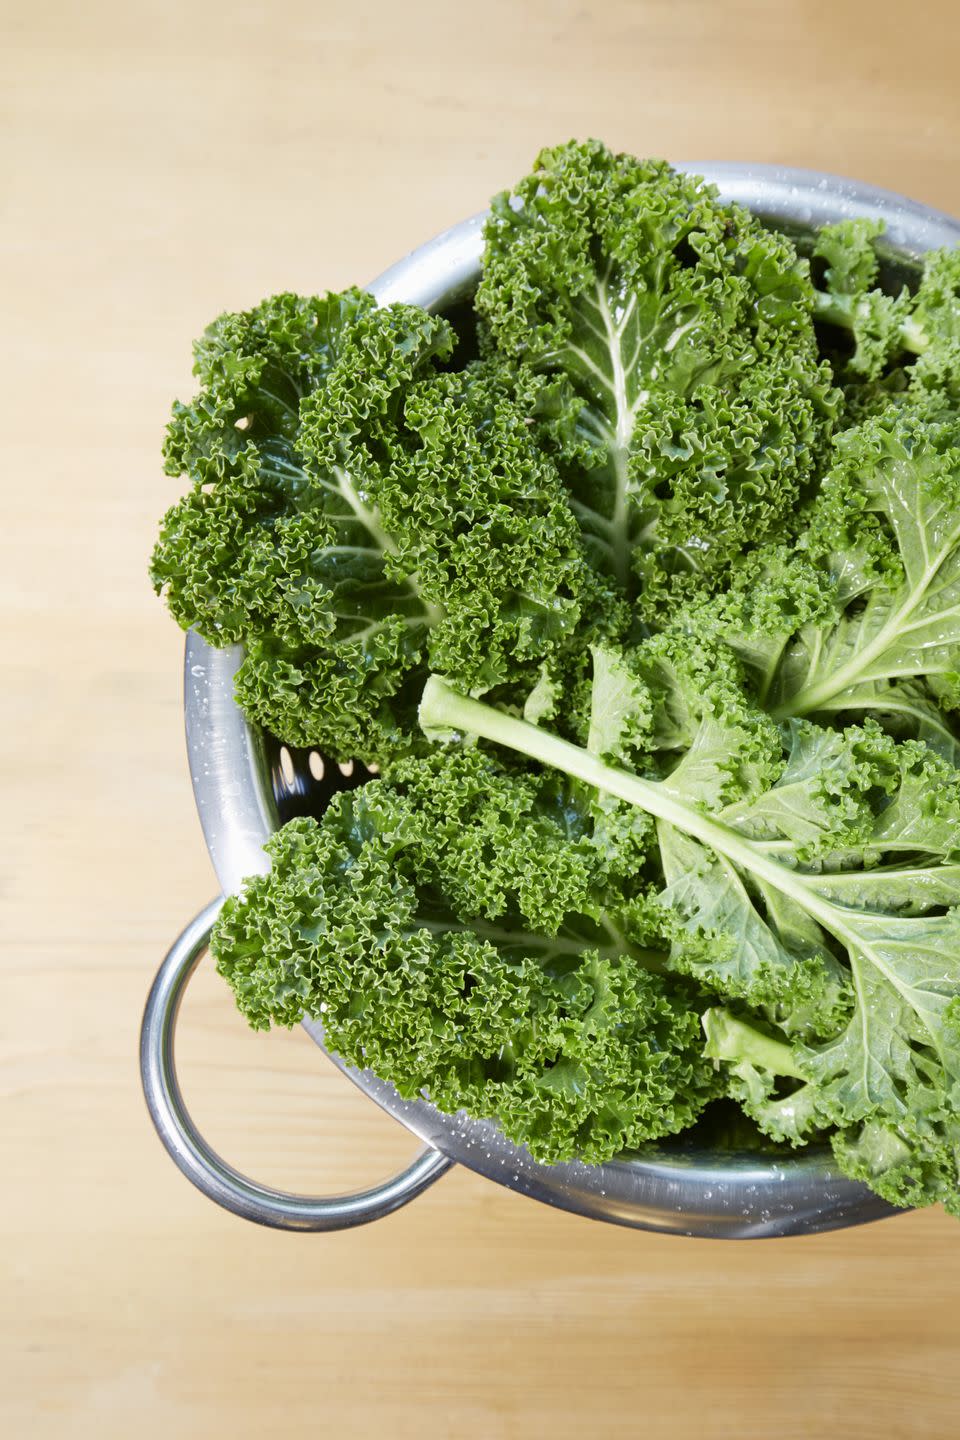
(161, 162)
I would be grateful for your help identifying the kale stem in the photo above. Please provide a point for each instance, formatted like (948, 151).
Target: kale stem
(737, 1042)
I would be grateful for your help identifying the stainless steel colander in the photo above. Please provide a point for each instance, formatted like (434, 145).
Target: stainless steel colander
(246, 784)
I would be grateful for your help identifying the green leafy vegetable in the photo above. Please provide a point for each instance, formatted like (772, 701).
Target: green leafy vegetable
(887, 329)
(774, 899)
(897, 485)
(689, 404)
(651, 616)
(356, 515)
(864, 614)
(450, 933)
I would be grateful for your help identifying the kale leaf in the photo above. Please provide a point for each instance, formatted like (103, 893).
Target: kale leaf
(452, 934)
(683, 389)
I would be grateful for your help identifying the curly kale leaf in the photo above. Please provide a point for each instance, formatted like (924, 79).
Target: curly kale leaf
(822, 896)
(886, 1084)
(906, 343)
(853, 300)
(290, 558)
(886, 1090)
(682, 385)
(451, 935)
(356, 515)
(261, 544)
(478, 512)
(886, 528)
(885, 327)
(912, 1161)
(863, 615)
(769, 892)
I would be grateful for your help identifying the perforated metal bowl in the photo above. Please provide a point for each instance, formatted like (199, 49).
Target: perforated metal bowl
(245, 785)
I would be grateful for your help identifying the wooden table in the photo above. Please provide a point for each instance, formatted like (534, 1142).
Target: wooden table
(161, 163)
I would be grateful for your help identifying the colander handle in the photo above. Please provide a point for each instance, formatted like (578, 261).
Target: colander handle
(201, 1164)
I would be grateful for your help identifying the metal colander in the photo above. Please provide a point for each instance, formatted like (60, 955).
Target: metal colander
(246, 784)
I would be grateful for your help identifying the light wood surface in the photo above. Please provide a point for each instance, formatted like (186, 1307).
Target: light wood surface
(161, 162)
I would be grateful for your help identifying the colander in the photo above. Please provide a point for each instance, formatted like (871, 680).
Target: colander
(246, 784)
